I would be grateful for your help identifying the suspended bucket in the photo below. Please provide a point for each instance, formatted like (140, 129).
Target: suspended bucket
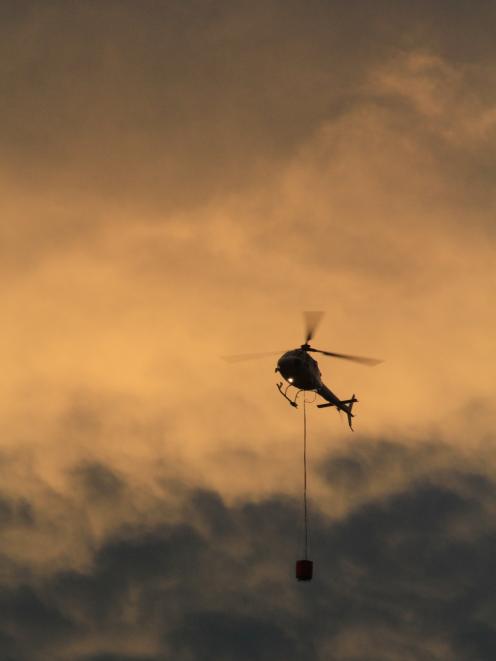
(304, 570)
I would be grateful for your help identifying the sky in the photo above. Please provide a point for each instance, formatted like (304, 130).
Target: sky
(179, 181)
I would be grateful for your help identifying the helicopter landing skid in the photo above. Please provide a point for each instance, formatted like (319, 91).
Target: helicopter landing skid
(284, 391)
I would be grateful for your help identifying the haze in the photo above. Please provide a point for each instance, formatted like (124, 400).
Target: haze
(179, 181)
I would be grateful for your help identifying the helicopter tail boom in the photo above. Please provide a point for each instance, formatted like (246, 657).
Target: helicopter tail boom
(345, 405)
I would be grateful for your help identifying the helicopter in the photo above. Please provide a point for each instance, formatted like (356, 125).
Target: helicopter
(301, 371)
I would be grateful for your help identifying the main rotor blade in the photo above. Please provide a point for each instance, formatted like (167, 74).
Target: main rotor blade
(312, 320)
(238, 358)
(356, 359)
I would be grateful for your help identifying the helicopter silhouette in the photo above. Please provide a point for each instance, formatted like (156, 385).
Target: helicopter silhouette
(301, 371)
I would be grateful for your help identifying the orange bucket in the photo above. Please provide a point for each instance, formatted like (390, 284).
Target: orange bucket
(304, 570)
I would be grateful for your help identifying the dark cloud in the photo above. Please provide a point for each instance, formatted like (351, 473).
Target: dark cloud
(98, 481)
(116, 657)
(220, 635)
(19, 512)
(403, 574)
(31, 625)
(381, 465)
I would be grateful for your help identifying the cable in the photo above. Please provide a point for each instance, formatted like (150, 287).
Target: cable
(305, 508)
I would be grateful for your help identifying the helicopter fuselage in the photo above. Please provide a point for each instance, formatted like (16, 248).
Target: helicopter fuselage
(302, 372)
(299, 369)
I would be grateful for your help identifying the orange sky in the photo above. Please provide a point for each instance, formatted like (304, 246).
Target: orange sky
(178, 182)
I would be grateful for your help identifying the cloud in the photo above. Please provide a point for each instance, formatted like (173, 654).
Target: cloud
(98, 482)
(166, 115)
(177, 183)
(223, 635)
(16, 513)
(404, 571)
(114, 657)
